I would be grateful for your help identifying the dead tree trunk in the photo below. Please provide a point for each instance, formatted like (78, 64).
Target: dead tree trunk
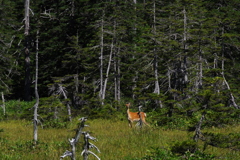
(107, 73)
(27, 96)
(226, 83)
(116, 67)
(35, 119)
(117, 76)
(3, 105)
(184, 77)
(198, 132)
(155, 62)
(74, 141)
(101, 60)
(65, 97)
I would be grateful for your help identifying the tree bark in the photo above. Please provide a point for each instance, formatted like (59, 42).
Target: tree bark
(185, 46)
(155, 62)
(26, 18)
(3, 105)
(107, 73)
(134, 80)
(225, 81)
(35, 119)
(200, 83)
(101, 60)
(27, 96)
(117, 76)
(117, 95)
(198, 132)
(68, 106)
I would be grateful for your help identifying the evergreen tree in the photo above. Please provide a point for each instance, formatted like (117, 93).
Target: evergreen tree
(8, 44)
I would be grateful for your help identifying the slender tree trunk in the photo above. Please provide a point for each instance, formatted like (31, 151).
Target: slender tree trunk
(169, 79)
(155, 62)
(199, 86)
(118, 79)
(215, 61)
(200, 72)
(117, 76)
(185, 46)
(135, 46)
(101, 61)
(225, 81)
(198, 132)
(68, 106)
(27, 96)
(231, 95)
(72, 8)
(35, 119)
(107, 72)
(116, 68)
(3, 105)
(76, 81)
(26, 18)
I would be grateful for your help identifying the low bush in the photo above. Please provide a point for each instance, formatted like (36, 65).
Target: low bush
(184, 146)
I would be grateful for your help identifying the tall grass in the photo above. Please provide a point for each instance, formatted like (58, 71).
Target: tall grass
(116, 141)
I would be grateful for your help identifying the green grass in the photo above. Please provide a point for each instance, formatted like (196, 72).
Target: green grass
(116, 141)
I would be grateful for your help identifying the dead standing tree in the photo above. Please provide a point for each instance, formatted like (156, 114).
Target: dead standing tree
(198, 133)
(27, 70)
(27, 96)
(35, 116)
(87, 144)
(140, 122)
(3, 104)
(74, 140)
(58, 89)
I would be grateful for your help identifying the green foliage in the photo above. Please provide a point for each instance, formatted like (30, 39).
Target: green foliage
(164, 154)
(52, 112)
(198, 155)
(106, 111)
(55, 123)
(160, 154)
(177, 120)
(139, 36)
(221, 140)
(16, 109)
(184, 146)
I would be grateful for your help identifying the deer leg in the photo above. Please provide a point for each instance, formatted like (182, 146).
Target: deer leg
(130, 123)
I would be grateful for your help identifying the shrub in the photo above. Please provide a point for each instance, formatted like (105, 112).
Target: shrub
(160, 154)
(197, 155)
(185, 146)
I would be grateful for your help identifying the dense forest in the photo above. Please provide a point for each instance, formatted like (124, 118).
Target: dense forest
(178, 59)
(175, 55)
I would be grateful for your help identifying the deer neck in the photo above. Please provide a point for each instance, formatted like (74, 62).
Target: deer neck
(128, 112)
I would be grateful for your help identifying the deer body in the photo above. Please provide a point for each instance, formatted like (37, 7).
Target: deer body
(135, 116)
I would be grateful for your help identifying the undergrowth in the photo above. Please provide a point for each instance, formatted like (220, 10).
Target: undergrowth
(115, 140)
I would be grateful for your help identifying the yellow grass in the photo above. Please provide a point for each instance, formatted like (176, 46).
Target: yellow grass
(116, 141)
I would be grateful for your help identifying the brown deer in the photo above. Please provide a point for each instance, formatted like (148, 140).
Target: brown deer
(135, 116)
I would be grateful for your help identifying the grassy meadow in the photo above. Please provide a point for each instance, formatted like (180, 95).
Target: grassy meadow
(116, 141)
